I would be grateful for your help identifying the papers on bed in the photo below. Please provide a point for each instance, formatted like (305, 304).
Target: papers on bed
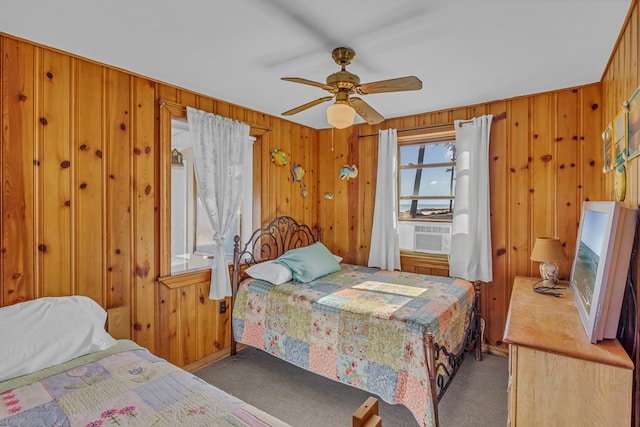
(391, 288)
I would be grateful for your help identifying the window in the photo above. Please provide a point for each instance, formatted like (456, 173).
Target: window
(426, 189)
(191, 230)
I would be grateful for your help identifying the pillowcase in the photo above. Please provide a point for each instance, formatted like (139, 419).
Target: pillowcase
(270, 271)
(48, 331)
(338, 258)
(309, 263)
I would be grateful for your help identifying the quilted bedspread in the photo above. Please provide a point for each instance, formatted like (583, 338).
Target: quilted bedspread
(361, 326)
(124, 385)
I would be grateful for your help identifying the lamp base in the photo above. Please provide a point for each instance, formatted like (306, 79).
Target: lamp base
(549, 272)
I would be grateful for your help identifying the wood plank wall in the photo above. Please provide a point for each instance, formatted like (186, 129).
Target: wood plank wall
(619, 80)
(545, 158)
(79, 173)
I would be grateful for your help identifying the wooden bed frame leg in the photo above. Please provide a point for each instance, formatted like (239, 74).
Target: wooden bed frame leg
(234, 288)
(478, 324)
(431, 368)
(233, 341)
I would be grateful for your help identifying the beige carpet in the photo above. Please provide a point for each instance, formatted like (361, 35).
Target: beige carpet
(476, 398)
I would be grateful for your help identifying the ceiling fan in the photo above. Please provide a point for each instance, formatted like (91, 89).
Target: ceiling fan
(342, 84)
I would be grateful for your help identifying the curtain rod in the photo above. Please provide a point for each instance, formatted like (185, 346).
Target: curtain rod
(442, 125)
(498, 117)
(162, 103)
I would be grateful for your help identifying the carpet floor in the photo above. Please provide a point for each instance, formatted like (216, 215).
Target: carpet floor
(477, 397)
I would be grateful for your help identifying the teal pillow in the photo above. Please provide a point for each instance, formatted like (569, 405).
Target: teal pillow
(309, 263)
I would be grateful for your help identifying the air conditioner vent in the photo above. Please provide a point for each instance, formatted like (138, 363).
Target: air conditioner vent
(438, 229)
(425, 236)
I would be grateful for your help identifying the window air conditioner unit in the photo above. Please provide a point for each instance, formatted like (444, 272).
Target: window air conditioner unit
(433, 238)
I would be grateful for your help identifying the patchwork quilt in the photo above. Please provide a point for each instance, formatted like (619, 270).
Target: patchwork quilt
(361, 326)
(124, 385)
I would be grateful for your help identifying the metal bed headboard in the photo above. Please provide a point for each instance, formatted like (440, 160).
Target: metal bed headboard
(268, 243)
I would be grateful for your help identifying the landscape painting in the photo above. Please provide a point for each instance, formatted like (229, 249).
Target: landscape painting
(588, 255)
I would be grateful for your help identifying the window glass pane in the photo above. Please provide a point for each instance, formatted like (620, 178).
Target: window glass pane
(186, 214)
(440, 209)
(437, 181)
(440, 152)
(426, 171)
(191, 230)
(179, 232)
(204, 233)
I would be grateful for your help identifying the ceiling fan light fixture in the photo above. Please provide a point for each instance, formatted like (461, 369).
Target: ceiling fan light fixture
(340, 115)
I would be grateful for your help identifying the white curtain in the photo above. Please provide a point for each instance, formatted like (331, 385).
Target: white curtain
(219, 146)
(385, 244)
(470, 256)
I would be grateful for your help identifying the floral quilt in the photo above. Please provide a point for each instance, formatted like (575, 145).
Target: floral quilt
(124, 385)
(361, 326)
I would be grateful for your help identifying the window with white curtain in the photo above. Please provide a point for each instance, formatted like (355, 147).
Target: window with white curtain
(426, 190)
(191, 231)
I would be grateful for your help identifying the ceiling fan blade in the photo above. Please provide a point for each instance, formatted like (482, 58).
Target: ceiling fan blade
(391, 85)
(307, 105)
(309, 82)
(366, 111)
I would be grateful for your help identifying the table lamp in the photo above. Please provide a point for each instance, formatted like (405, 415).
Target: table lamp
(548, 251)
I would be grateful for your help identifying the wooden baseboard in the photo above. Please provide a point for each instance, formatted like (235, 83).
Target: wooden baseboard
(205, 361)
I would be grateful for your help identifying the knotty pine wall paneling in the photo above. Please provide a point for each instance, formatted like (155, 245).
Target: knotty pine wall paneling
(544, 156)
(55, 194)
(496, 295)
(19, 160)
(80, 204)
(145, 219)
(88, 147)
(118, 197)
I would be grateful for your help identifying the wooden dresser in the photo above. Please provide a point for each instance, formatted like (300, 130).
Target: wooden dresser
(556, 376)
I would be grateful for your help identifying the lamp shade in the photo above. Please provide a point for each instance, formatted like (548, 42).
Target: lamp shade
(340, 115)
(548, 249)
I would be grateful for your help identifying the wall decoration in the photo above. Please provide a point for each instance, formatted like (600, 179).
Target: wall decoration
(328, 195)
(607, 145)
(620, 182)
(348, 172)
(620, 143)
(297, 172)
(633, 119)
(304, 192)
(278, 157)
(620, 136)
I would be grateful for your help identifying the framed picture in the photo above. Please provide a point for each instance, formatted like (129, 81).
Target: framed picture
(633, 120)
(607, 144)
(620, 137)
(603, 251)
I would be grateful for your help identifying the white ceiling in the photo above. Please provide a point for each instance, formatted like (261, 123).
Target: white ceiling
(464, 51)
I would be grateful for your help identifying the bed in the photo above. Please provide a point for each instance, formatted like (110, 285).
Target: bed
(103, 381)
(399, 335)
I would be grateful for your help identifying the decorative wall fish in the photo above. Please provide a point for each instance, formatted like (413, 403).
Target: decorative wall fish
(348, 172)
(297, 172)
(278, 157)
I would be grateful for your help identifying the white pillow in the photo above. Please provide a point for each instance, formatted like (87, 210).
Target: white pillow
(271, 272)
(338, 258)
(48, 331)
